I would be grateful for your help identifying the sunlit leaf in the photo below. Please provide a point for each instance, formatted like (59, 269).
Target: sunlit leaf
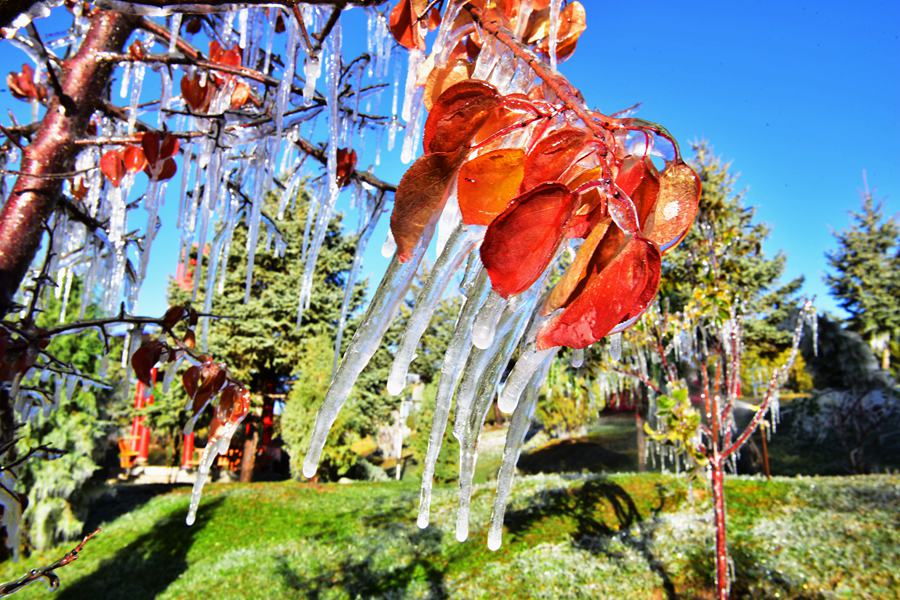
(487, 183)
(404, 26)
(346, 164)
(145, 358)
(420, 198)
(520, 243)
(442, 78)
(197, 94)
(553, 155)
(572, 23)
(112, 165)
(134, 159)
(622, 288)
(639, 179)
(577, 271)
(23, 86)
(458, 114)
(679, 197)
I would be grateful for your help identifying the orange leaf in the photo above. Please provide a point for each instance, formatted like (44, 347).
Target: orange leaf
(23, 87)
(458, 114)
(136, 50)
(623, 288)
(420, 198)
(572, 23)
(521, 242)
(112, 165)
(442, 78)
(554, 154)
(566, 287)
(487, 183)
(404, 26)
(240, 95)
(639, 179)
(679, 199)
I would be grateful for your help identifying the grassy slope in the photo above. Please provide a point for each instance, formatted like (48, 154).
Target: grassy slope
(566, 537)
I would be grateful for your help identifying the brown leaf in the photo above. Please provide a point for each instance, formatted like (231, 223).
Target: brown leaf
(145, 358)
(197, 95)
(404, 26)
(190, 339)
(346, 165)
(487, 183)
(173, 316)
(420, 198)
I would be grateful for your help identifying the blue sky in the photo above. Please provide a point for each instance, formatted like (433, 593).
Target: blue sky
(800, 97)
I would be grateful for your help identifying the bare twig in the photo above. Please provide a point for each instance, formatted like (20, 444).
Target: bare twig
(48, 571)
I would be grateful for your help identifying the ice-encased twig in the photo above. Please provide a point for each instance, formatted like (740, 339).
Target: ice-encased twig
(458, 247)
(381, 312)
(451, 371)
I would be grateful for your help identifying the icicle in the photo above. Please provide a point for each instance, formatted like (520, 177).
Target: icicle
(577, 358)
(515, 437)
(126, 75)
(521, 374)
(136, 85)
(458, 247)
(382, 310)
(392, 128)
(12, 512)
(174, 30)
(283, 94)
(615, 346)
(242, 27)
(486, 323)
(412, 73)
(451, 371)
(389, 246)
(215, 446)
(253, 226)
(555, 6)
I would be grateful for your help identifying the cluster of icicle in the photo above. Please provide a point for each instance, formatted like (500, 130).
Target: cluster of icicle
(489, 332)
(228, 164)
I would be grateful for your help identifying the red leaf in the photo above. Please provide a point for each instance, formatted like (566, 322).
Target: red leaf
(173, 315)
(487, 184)
(159, 150)
(197, 95)
(234, 404)
(638, 178)
(570, 281)
(457, 115)
(521, 242)
(420, 198)
(145, 358)
(23, 87)
(622, 289)
(679, 200)
(346, 163)
(554, 154)
(404, 26)
(134, 159)
(112, 165)
(190, 380)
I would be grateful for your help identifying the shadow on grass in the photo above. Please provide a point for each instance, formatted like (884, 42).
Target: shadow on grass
(600, 509)
(363, 577)
(575, 455)
(145, 567)
(121, 499)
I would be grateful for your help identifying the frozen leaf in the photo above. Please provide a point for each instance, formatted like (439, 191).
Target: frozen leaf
(136, 50)
(487, 183)
(193, 25)
(420, 198)
(239, 95)
(112, 165)
(676, 207)
(346, 164)
(577, 271)
(521, 242)
(572, 23)
(591, 207)
(159, 151)
(23, 86)
(404, 24)
(134, 159)
(639, 179)
(458, 114)
(442, 78)
(621, 289)
(553, 155)
(145, 358)
(197, 94)
(173, 316)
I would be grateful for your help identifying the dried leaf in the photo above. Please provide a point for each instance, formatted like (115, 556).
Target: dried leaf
(521, 242)
(23, 86)
(623, 288)
(190, 339)
(487, 184)
(159, 152)
(420, 198)
(458, 114)
(190, 379)
(676, 208)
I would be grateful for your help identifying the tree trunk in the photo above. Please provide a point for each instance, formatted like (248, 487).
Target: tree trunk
(248, 457)
(718, 490)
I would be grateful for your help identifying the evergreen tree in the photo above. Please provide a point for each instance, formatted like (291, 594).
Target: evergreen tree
(866, 277)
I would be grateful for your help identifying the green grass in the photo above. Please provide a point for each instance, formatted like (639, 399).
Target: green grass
(622, 536)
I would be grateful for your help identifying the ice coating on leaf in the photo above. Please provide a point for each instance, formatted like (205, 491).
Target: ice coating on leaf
(362, 347)
(521, 241)
(676, 207)
(458, 114)
(456, 250)
(553, 155)
(487, 184)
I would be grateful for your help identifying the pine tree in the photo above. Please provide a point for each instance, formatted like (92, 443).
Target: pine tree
(866, 277)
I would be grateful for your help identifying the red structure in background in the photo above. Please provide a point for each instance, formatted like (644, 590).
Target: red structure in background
(140, 433)
(187, 452)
